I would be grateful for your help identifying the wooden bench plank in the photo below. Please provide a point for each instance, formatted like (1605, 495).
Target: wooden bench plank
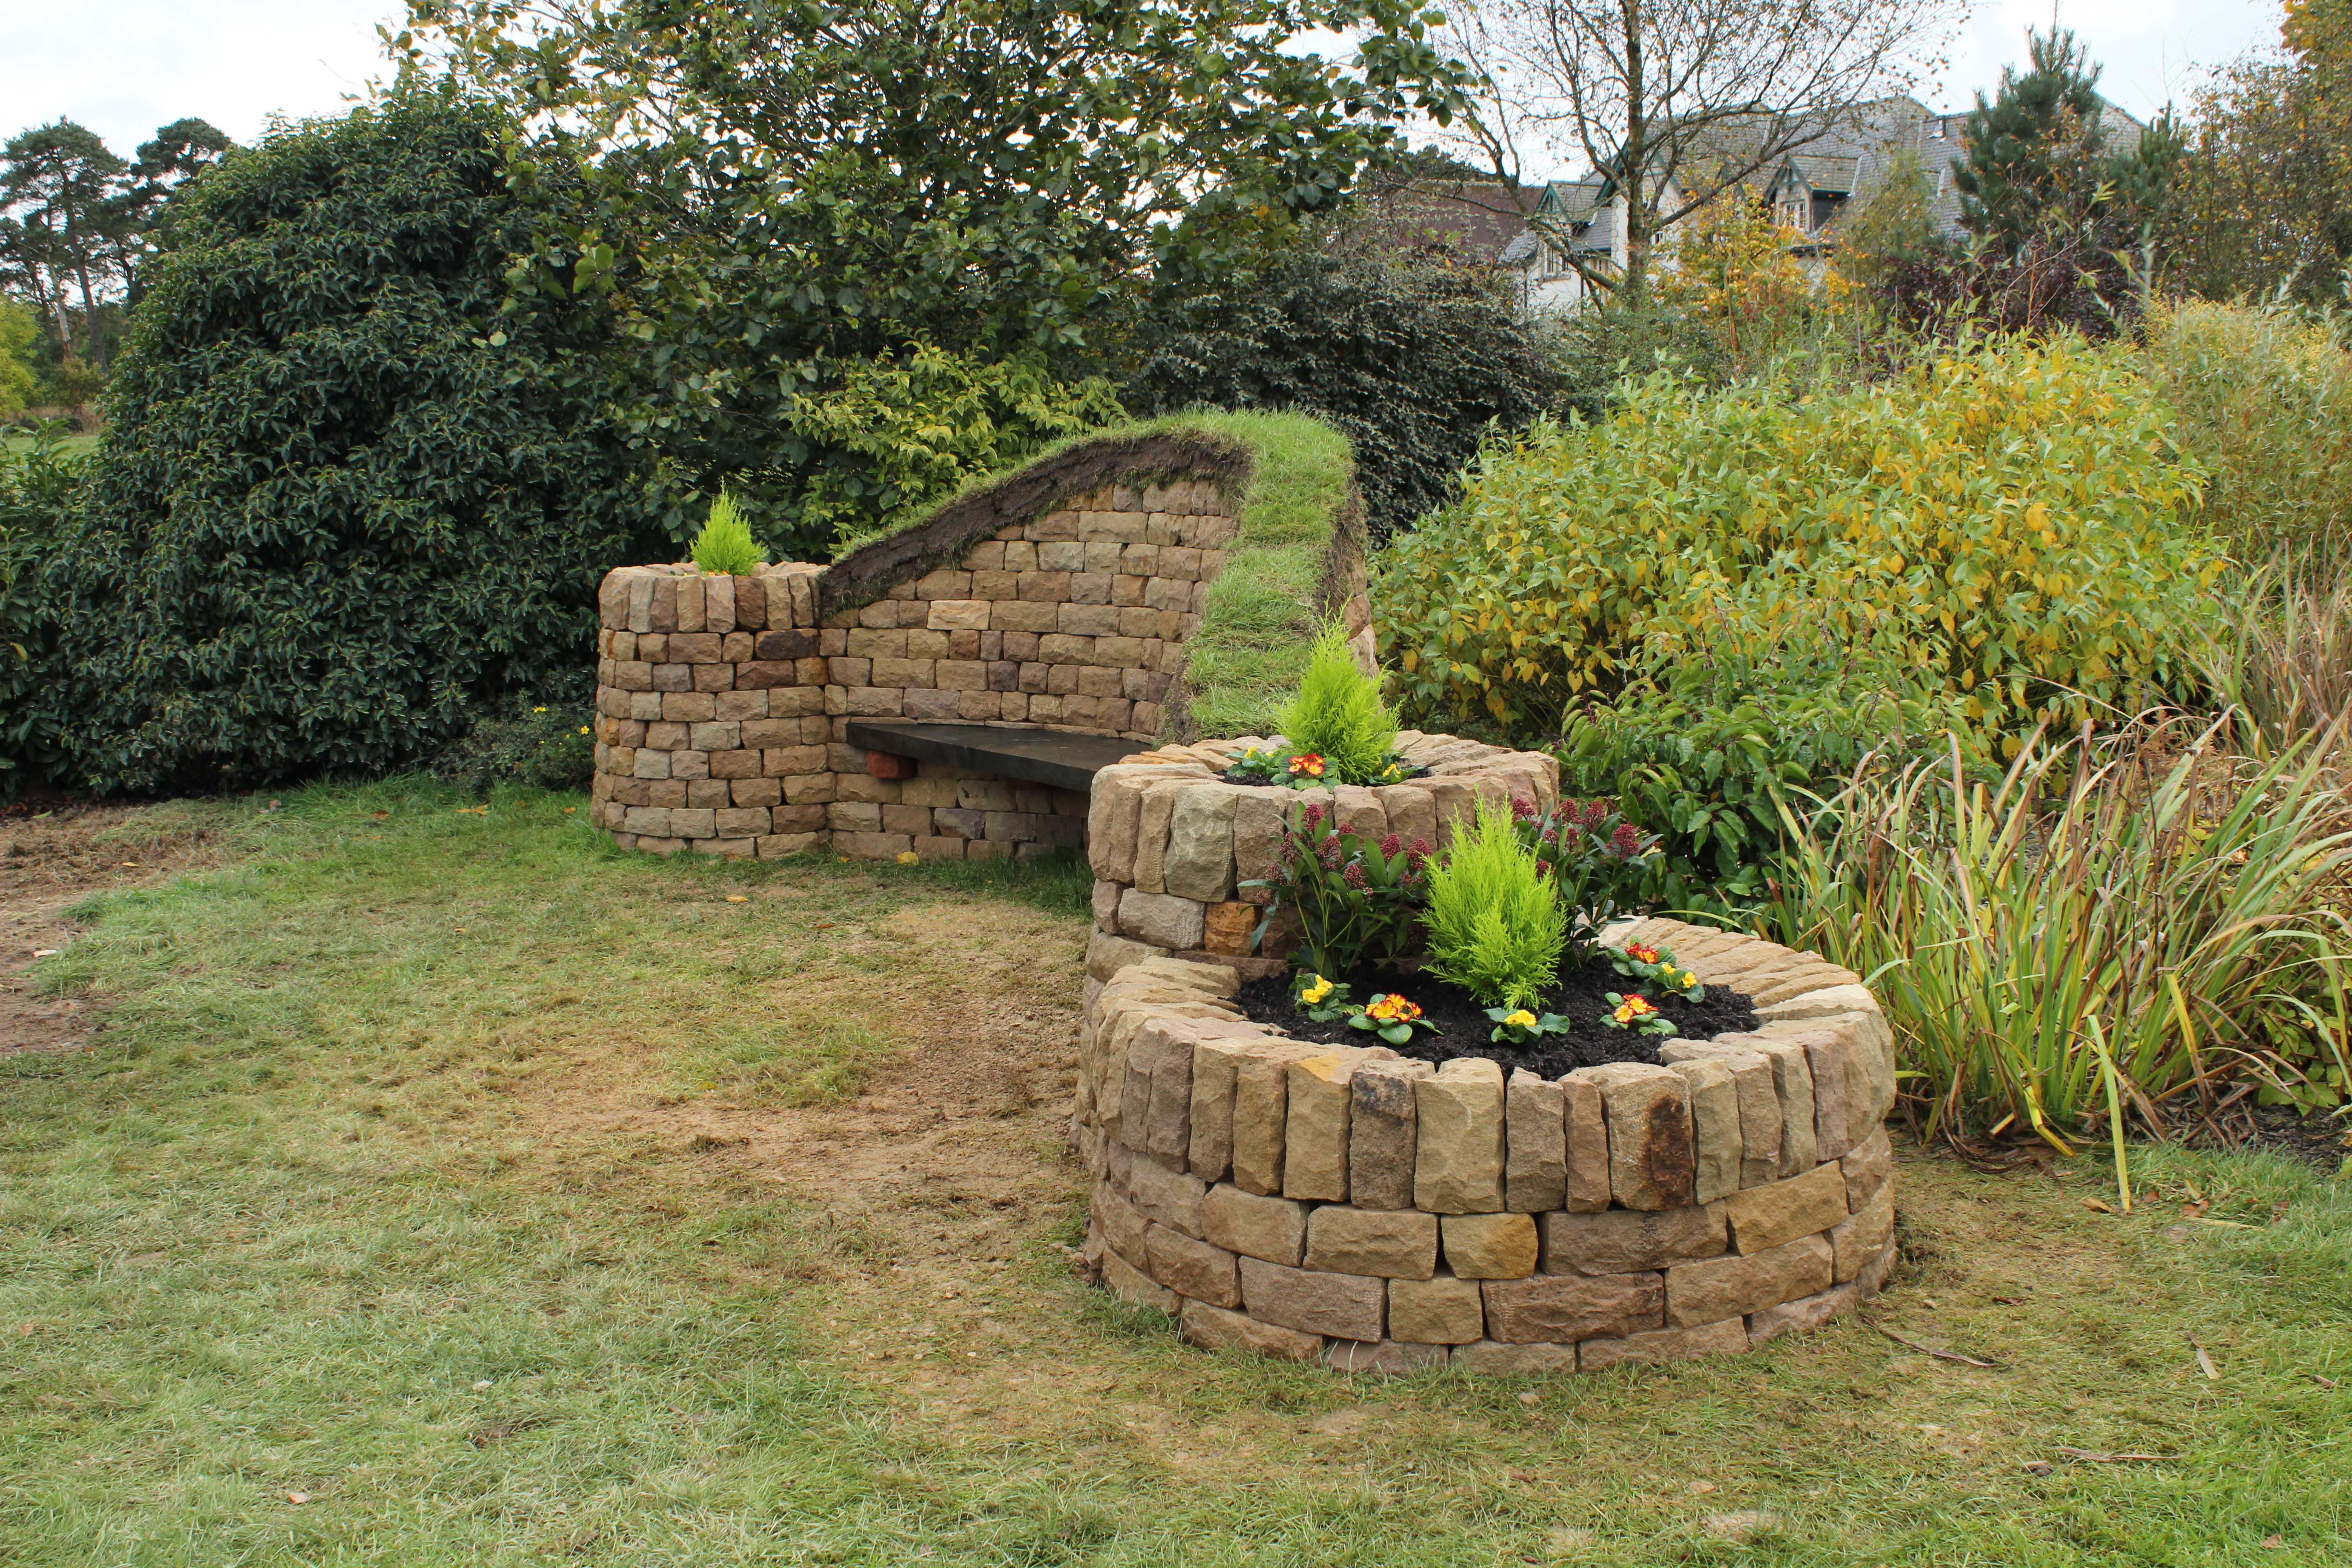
(1064, 759)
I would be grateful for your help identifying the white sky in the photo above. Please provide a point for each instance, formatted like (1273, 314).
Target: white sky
(126, 67)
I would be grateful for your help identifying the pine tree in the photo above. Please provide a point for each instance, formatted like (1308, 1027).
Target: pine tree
(2036, 152)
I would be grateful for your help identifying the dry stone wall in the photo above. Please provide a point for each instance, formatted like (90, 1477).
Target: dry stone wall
(723, 702)
(1348, 1206)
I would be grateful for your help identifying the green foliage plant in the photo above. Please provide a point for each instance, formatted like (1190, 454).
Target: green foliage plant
(725, 546)
(1339, 715)
(2009, 520)
(546, 745)
(40, 485)
(20, 331)
(2159, 903)
(1356, 897)
(1598, 859)
(343, 507)
(1414, 363)
(1496, 925)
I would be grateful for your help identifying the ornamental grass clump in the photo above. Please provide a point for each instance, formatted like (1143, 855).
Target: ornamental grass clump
(1338, 716)
(1497, 923)
(725, 547)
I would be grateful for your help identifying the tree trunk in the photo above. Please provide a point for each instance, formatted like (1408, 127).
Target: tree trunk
(1633, 161)
(97, 355)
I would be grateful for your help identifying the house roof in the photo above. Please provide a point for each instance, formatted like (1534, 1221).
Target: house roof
(1473, 221)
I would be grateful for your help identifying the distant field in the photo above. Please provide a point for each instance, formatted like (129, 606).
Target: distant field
(14, 441)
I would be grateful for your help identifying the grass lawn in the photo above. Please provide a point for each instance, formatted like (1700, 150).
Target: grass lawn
(441, 1186)
(79, 446)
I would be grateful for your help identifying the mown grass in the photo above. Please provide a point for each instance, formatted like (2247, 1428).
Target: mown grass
(313, 1219)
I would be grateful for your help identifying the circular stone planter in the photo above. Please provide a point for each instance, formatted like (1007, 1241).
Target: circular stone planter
(1335, 1204)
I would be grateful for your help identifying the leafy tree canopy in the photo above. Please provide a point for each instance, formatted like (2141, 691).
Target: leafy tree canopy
(774, 191)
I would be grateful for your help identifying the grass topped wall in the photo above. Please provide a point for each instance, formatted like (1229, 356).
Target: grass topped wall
(1297, 559)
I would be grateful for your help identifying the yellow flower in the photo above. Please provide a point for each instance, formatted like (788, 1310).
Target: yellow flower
(1316, 991)
(1634, 1007)
(538, 709)
(1522, 1020)
(1391, 1007)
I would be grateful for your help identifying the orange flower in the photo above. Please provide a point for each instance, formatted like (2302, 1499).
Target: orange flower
(1390, 1008)
(1642, 953)
(1308, 763)
(1634, 1007)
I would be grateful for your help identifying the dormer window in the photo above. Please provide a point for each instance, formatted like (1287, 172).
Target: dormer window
(1795, 213)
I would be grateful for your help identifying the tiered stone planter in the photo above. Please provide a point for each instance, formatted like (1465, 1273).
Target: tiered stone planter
(1348, 1206)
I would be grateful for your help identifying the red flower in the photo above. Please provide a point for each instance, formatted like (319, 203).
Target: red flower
(1625, 840)
(1354, 875)
(1391, 844)
(1314, 818)
(1525, 810)
(1308, 763)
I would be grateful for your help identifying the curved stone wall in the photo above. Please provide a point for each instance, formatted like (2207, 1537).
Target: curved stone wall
(1348, 1206)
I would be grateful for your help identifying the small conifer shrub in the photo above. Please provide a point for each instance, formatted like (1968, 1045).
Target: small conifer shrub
(1339, 716)
(725, 546)
(1497, 923)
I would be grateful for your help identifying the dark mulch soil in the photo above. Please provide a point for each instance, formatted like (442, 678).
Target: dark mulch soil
(1466, 1027)
(2317, 1140)
(1253, 779)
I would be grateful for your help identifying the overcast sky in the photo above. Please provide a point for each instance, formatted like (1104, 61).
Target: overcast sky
(133, 65)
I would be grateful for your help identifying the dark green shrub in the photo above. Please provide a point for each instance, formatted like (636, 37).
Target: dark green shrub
(343, 508)
(1412, 363)
(38, 484)
(548, 745)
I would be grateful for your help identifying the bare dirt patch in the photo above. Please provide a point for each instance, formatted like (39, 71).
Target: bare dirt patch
(51, 860)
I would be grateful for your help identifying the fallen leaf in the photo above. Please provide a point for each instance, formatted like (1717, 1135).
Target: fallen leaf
(2273, 1541)
(296, 1497)
(2038, 1467)
(45, 953)
(481, 1384)
(1701, 1488)
(1528, 1398)
(909, 857)
(2323, 1382)
(570, 809)
(737, 899)
(2011, 1300)
(2205, 1362)
(2097, 1206)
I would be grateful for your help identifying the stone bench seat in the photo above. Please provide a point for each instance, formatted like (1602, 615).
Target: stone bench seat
(1060, 759)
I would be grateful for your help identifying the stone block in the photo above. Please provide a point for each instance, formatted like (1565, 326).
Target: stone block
(1740, 1283)
(1493, 1359)
(1725, 1338)
(1535, 1169)
(1717, 1147)
(1152, 821)
(1393, 1244)
(1866, 1168)
(1231, 925)
(1120, 1222)
(1805, 1312)
(1258, 837)
(1192, 1268)
(1106, 956)
(1458, 1147)
(1825, 1054)
(1391, 1358)
(1131, 1285)
(1315, 1156)
(1344, 1306)
(1160, 919)
(1793, 1081)
(1273, 1229)
(1490, 1246)
(1858, 1239)
(1878, 1270)
(1213, 1328)
(1261, 1114)
(1627, 1241)
(1765, 1218)
(1171, 1197)
(1559, 1308)
(1588, 1145)
(1652, 1162)
(1439, 1310)
(1199, 861)
(1216, 1071)
(1382, 1132)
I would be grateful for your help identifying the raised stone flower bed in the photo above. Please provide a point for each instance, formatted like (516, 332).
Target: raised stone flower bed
(1344, 1204)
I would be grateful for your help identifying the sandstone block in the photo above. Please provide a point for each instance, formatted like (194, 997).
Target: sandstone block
(1106, 956)
(1490, 1246)
(1559, 1308)
(1344, 1306)
(1725, 1338)
(1458, 1147)
(1439, 1310)
(1258, 837)
(1855, 1242)
(1274, 1229)
(1741, 1283)
(1198, 862)
(1764, 1217)
(1493, 1359)
(1152, 821)
(1112, 817)
(1315, 1156)
(1200, 1269)
(1877, 1270)
(1216, 1069)
(1121, 1223)
(1866, 1168)
(1213, 1328)
(1715, 1142)
(1131, 1284)
(1628, 1241)
(1393, 1244)
(1390, 1357)
(1825, 1054)
(1382, 1129)
(1171, 1197)
(1160, 919)
(1230, 927)
(1652, 1162)
(1588, 1145)
(1823, 1002)
(1535, 1169)
(1262, 1114)
(1793, 1081)
(1806, 1313)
